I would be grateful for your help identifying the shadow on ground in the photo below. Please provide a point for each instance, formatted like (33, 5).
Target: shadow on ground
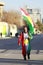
(21, 61)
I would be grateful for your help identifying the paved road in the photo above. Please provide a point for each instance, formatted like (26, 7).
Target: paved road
(11, 43)
(10, 52)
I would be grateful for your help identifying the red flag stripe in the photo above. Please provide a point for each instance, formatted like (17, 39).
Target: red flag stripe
(26, 13)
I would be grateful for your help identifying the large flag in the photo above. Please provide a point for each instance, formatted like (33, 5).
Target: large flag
(28, 20)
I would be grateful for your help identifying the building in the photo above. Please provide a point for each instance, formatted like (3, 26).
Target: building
(42, 20)
(13, 30)
(7, 30)
(35, 14)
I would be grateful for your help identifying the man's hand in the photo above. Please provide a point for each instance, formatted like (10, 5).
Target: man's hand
(19, 44)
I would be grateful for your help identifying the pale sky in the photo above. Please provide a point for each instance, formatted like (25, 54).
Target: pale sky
(16, 4)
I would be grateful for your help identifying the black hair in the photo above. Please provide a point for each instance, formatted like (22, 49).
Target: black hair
(26, 27)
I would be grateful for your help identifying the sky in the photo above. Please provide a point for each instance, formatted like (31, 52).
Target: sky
(16, 4)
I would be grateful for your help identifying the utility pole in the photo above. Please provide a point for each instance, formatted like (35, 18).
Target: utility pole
(1, 10)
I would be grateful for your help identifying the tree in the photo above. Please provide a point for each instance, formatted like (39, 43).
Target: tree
(40, 25)
(13, 17)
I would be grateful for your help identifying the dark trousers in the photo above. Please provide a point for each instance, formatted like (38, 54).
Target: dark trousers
(28, 55)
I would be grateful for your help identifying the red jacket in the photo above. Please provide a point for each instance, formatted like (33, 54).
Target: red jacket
(21, 39)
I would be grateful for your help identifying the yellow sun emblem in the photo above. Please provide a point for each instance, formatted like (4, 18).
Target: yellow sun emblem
(26, 41)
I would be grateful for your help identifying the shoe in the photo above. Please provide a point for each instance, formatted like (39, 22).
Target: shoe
(28, 57)
(24, 57)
